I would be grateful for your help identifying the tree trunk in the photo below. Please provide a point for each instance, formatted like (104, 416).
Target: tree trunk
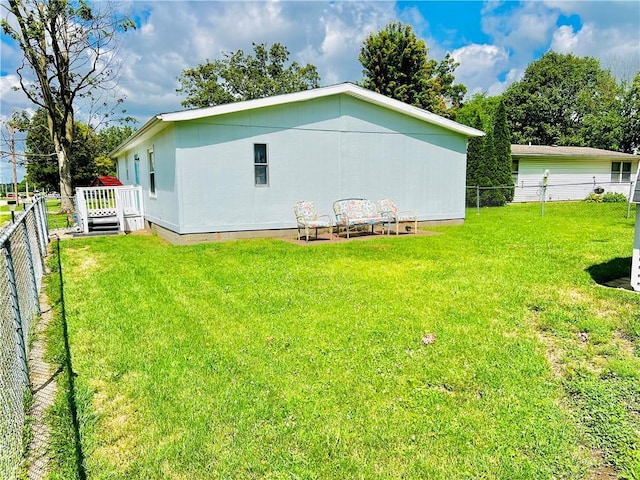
(66, 191)
(61, 142)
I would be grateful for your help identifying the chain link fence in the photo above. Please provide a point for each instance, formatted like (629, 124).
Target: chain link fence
(480, 196)
(23, 246)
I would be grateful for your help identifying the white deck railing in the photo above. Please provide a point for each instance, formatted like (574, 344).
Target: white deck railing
(124, 203)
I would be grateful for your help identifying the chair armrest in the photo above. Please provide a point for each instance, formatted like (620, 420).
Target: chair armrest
(301, 220)
(339, 218)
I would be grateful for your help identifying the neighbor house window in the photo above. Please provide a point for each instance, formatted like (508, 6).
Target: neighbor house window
(152, 172)
(260, 164)
(515, 165)
(620, 172)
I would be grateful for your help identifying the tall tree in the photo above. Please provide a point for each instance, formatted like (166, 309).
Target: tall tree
(565, 100)
(68, 46)
(488, 166)
(480, 104)
(109, 138)
(630, 141)
(502, 151)
(239, 76)
(396, 64)
(41, 162)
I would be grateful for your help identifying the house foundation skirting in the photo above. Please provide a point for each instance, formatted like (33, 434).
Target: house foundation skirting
(195, 238)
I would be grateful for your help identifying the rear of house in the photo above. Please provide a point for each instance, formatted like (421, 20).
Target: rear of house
(241, 167)
(574, 172)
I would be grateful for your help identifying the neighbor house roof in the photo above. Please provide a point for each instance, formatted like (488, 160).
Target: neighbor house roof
(106, 181)
(554, 151)
(158, 122)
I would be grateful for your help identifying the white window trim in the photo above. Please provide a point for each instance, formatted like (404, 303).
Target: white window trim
(151, 162)
(621, 172)
(265, 164)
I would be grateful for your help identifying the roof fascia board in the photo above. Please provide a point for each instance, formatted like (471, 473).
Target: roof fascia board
(153, 126)
(572, 156)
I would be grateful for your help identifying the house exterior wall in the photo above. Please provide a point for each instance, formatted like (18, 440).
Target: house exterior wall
(161, 208)
(322, 150)
(569, 178)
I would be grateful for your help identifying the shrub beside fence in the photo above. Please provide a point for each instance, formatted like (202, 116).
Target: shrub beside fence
(23, 247)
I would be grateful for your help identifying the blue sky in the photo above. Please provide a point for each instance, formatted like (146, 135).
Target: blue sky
(493, 41)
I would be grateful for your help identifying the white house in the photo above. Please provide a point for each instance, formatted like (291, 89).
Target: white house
(574, 172)
(237, 169)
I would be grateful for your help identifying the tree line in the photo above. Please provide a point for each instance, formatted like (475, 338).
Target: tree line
(561, 100)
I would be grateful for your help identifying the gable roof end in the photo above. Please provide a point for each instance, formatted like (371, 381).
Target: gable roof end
(155, 123)
(306, 95)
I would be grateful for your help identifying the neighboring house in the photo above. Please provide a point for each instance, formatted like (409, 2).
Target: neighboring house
(574, 172)
(237, 169)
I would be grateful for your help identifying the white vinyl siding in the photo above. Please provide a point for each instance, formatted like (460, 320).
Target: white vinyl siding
(569, 178)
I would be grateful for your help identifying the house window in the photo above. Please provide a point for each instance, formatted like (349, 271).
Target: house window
(260, 165)
(515, 165)
(152, 172)
(620, 172)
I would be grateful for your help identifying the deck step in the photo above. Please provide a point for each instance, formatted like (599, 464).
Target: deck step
(104, 224)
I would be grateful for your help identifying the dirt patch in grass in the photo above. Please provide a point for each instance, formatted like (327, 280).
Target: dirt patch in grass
(553, 353)
(600, 471)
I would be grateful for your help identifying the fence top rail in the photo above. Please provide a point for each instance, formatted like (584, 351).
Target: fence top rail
(8, 231)
(536, 185)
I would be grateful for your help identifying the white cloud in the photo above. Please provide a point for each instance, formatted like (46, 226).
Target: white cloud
(616, 48)
(479, 65)
(565, 40)
(521, 29)
(175, 35)
(328, 35)
(513, 75)
(13, 98)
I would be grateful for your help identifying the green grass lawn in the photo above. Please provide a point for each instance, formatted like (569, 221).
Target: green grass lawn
(55, 219)
(264, 359)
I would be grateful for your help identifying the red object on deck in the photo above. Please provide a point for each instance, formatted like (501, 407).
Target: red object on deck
(106, 181)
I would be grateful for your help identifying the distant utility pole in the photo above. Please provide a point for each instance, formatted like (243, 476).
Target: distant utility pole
(13, 163)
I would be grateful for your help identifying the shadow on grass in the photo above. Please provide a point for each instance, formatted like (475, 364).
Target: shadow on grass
(70, 375)
(617, 269)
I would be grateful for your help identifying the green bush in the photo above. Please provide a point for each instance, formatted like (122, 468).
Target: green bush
(593, 198)
(614, 197)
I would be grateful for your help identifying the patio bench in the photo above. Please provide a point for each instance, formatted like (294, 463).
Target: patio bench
(352, 213)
